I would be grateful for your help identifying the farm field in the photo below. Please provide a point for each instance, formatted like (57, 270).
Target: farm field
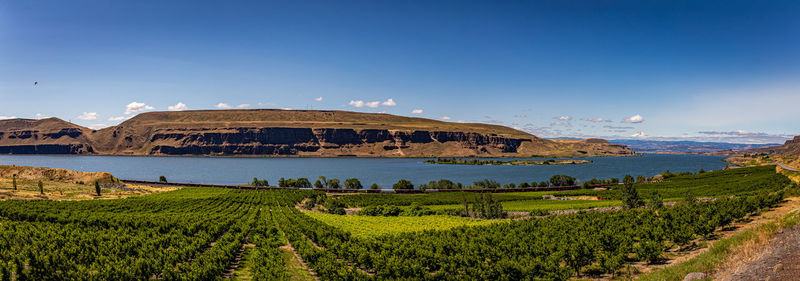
(368, 226)
(203, 233)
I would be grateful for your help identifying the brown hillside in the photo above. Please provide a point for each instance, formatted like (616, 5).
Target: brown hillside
(45, 136)
(788, 153)
(316, 133)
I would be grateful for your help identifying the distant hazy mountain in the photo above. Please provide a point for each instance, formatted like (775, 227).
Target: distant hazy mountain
(652, 146)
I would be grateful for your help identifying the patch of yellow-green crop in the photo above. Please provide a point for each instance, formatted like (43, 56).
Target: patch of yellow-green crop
(368, 226)
(545, 205)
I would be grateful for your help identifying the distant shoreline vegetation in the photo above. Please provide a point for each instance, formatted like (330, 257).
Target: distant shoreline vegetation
(455, 161)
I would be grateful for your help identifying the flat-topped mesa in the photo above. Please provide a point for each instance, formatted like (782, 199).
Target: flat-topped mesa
(44, 136)
(323, 133)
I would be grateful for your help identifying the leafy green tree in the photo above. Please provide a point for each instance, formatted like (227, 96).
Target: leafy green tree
(282, 182)
(562, 180)
(374, 186)
(524, 185)
(630, 197)
(334, 183)
(655, 201)
(403, 184)
(544, 184)
(97, 187)
(333, 206)
(319, 184)
(302, 183)
(162, 179)
(323, 180)
(41, 187)
(689, 198)
(486, 183)
(641, 178)
(353, 183)
(258, 182)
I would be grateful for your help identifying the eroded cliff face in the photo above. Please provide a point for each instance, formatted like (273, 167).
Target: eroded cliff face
(287, 133)
(327, 142)
(46, 136)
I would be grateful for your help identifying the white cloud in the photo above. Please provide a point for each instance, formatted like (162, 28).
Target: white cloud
(136, 107)
(318, 99)
(88, 116)
(597, 119)
(563, 118)
(97, 126)
(223, 105)
(461, 121)
(417, 111)
(389, 102)
(178, 107)
(639, 134)
(39, 116)
(633, 119)
(445, 117)
(119, 118)
(267, 104)
(371, 104)
(361, 103)
(7, 117)
(244, 105)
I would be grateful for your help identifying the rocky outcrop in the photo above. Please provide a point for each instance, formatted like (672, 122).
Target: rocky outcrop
(287, 133)
(311, 141)
(46, 136)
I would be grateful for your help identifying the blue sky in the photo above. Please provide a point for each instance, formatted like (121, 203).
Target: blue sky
(705, 70)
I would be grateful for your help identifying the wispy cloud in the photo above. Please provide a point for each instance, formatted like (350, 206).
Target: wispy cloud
(178, 107)
(223, 105)
(7, 117)
(563, 118)
(244, 105)
(618, 127)
(119, 118)
(389, 102)
(371, 104)
(318, 99)
(445, 117)
(733, 133)
(633, 119)
(639, 134)
(134, 107)
(416, 111)
(88, 116)
(596, 120)
(97, 126)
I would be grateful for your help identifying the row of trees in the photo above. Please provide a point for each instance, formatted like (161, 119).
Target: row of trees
(553, 248)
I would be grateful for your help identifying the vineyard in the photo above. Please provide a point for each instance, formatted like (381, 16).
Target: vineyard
(201, 233)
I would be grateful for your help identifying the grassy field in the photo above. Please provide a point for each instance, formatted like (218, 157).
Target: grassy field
(366, 226)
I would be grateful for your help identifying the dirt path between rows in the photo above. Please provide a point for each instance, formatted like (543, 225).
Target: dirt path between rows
(290, 248)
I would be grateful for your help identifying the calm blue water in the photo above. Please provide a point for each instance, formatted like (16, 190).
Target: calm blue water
(383, 171)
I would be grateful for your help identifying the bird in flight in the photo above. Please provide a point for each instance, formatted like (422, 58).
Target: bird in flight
(35, 83)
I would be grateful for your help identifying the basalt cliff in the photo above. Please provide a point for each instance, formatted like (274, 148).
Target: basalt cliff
(264, 132)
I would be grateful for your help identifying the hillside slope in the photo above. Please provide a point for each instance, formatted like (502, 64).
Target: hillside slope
(269, 132)
(788, 153)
